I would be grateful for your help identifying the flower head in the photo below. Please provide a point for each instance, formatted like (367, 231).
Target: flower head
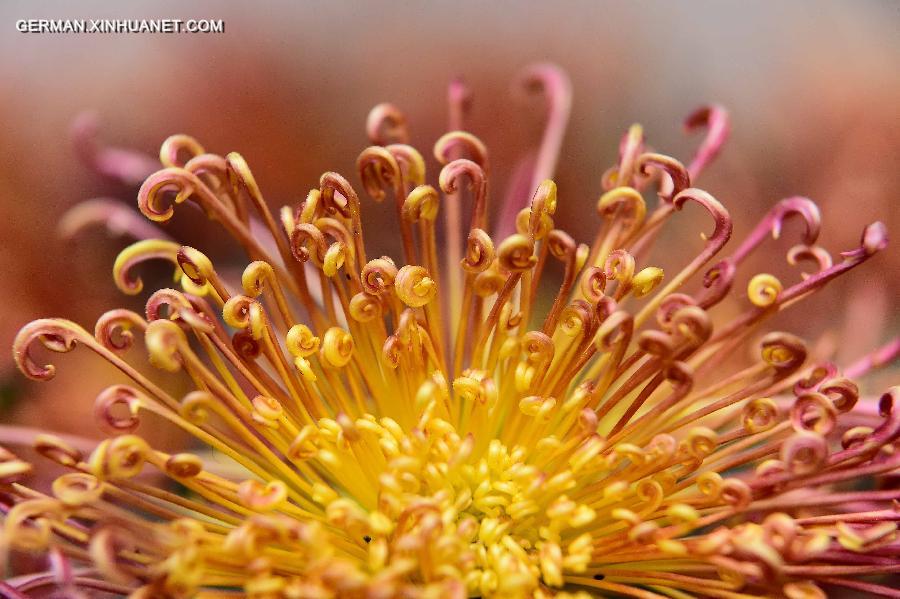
(429, 426)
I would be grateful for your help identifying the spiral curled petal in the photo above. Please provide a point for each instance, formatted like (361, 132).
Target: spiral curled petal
(136, 253)
(337, 347)
(386, 124)
(479, 254)
(379, 276)
(516, 253)
(378, 170)
(421, 204)
(414, 287)
(463, 141)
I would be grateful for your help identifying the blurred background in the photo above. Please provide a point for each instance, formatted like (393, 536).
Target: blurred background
(813, 91)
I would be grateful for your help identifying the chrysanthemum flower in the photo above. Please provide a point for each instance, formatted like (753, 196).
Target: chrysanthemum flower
(417, 426)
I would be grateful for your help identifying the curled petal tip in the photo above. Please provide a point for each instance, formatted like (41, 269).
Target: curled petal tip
(549, 77)
(56, 335)
(803, 207)
(679, 175)
(386, 124)
(128, 166)
(117, 218)
(459, 144)
(722, 219)
(875, 237)
(716, 119)
(459, 93)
